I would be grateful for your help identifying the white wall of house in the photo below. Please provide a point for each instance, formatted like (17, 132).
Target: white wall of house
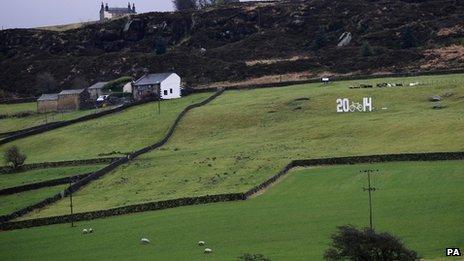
(127, 87)
(170, 87)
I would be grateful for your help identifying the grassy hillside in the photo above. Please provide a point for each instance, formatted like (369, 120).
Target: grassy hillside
(125, 131)
(17, 107)
(13, 124)
(38, 175)
(243, 137)
(13, 202)
(420, 202)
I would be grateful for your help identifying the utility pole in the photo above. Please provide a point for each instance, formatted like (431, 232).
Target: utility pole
(159, 99)
(71, 202)
(369, 189)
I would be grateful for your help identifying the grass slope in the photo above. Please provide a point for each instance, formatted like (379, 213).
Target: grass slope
(13, 124)
(38, 175)
(125, 131)
(17, 107)
(13, 202)
(420, 202)
(243, 137)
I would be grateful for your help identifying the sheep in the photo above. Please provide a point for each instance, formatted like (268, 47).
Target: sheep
(201, 243)
(90, 230)
(84, 231)
(208, 251)
(145, 241)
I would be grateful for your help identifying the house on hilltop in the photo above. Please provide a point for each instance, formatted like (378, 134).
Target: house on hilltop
(107, 13)
(47, 103)
(96, 90)
(69, 100)
(160, 85)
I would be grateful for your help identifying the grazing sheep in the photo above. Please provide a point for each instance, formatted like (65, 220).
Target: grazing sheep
(208, 251)
(145, 241)
(90, 230)
(84, 231)
(201, 243)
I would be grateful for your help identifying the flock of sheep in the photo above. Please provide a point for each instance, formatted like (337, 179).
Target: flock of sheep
(146, 241)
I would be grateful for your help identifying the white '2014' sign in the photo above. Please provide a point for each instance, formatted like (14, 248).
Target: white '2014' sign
(345, 105)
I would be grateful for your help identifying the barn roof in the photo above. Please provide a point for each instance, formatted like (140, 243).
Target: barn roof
(98, 85)
(75, 91)
(153, 78)
(48, 97)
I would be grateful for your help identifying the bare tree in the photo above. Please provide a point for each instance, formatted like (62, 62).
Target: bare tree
(14, 157)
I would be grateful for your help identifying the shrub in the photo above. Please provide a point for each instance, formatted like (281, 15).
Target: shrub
(350, 243)
(14, 157)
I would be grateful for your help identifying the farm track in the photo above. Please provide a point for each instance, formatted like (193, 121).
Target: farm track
(99, 173)
(255, 191)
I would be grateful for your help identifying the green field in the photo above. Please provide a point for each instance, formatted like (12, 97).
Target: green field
(420, 202)
(18, 107)
(243, 137)
(124, 132)
(13, 202)
(14, 124)
(38, 175)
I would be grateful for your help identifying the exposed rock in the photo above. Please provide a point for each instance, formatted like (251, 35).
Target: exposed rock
(435, 98)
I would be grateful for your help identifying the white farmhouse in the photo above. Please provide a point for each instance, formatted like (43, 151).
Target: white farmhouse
(163, 85)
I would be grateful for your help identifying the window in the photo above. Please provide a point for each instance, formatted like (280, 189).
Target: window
(170, 90)
(165, 92)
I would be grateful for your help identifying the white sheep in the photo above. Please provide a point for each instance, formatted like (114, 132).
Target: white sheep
(201, 243)
(90, 230)
(84, 231)
(208, 251)
(145, 241)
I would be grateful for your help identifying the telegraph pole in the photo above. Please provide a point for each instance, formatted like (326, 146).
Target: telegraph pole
(71, 202)
(369, 189)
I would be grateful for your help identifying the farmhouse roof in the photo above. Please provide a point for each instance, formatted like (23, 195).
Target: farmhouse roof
(153, 78)
(98, 85)
(48, 97)
(75, 91)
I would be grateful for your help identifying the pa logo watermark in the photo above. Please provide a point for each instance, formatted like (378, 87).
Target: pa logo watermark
(451, 251)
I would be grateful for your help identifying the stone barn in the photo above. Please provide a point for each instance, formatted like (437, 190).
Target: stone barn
(163, 85)
(69, 100)
(47, 103)
(96, 90)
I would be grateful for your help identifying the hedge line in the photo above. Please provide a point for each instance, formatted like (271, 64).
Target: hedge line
(48, 127)
(53, 164)
(232, 196)
(43, 184)
(99, 173)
